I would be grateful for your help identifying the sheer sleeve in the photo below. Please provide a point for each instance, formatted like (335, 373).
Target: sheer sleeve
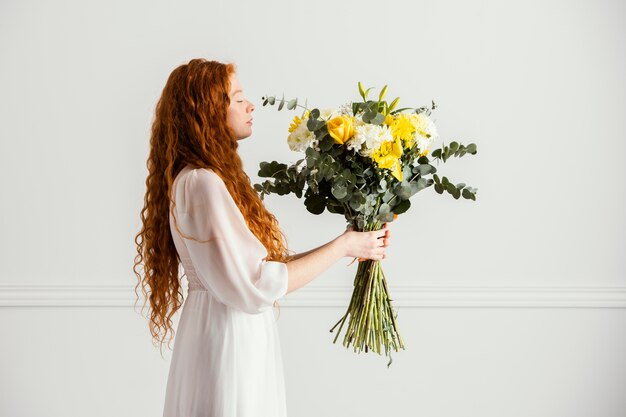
(230, 262)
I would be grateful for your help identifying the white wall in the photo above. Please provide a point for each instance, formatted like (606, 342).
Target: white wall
(510, 305)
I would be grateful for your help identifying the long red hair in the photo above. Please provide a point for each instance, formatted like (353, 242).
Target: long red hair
(190, 128)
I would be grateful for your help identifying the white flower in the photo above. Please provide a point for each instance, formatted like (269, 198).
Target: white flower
(301, 137)
(423, 143)
(372, 136)
(425, 132)
(345, 109)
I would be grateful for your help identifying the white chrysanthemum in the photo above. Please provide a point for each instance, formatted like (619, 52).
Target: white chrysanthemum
(425, 132)
(372, 136)
(301, 137)
(354, 144)
(423, 143)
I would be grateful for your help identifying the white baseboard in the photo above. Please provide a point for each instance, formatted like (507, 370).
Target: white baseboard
(13, 295)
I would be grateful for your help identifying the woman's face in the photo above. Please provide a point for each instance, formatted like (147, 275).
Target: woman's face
(239, 115)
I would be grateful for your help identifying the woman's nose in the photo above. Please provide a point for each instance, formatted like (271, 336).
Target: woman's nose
(251, 107)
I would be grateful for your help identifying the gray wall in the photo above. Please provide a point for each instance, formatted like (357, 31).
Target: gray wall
(510, 305)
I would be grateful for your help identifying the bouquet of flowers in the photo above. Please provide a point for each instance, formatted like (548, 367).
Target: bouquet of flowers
(363, 160)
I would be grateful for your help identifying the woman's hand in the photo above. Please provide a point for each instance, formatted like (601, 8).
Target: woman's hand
(365, 245)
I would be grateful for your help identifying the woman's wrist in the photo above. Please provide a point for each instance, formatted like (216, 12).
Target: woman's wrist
(339, 244)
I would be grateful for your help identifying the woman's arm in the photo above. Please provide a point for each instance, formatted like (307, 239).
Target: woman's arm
(308, 265)
(300, 255)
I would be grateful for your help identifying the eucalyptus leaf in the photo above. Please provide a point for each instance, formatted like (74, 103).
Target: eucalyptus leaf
(339, 191)
(402, 207)
(425, 169)
(378, 119)
(282, 103)
(384, 208)
(385, 217)
(388, 195)
(403, 190)
(315, 203)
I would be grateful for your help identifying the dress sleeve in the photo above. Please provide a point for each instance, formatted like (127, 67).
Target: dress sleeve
(231, 262)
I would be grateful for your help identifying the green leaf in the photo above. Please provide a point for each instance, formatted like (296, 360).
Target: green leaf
(270, 169)
(369, 115)
(425, 169)
(419, 185)
(403, 190)
(315, 203)
(439, 188)
(292, 104)
(339, 191)
(326, 144)
(382, 186)
(402, 207)
(282, 103)
(382, 93)
(384, 217)
(378, 119)
(361, 90)
(471, 148)
(393, 105)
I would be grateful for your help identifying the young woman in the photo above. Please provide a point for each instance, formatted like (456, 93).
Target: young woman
(201, 211)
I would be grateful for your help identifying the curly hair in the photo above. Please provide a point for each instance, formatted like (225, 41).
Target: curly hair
(190, 128)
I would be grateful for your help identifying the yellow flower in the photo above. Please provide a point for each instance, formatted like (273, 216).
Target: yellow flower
(388, 156)
(296, 122)
(340, 129)
(403, 127)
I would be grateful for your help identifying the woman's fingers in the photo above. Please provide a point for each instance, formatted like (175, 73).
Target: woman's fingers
(374, 243)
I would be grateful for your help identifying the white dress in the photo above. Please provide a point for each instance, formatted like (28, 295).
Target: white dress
(226, 360)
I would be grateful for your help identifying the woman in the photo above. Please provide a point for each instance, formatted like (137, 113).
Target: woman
(202, 211)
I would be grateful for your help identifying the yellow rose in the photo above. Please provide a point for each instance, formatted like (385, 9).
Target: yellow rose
(340, 129)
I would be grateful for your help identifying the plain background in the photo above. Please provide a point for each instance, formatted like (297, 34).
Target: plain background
(511, 305)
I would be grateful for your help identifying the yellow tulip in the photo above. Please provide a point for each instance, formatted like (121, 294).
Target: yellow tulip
(340, 129)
